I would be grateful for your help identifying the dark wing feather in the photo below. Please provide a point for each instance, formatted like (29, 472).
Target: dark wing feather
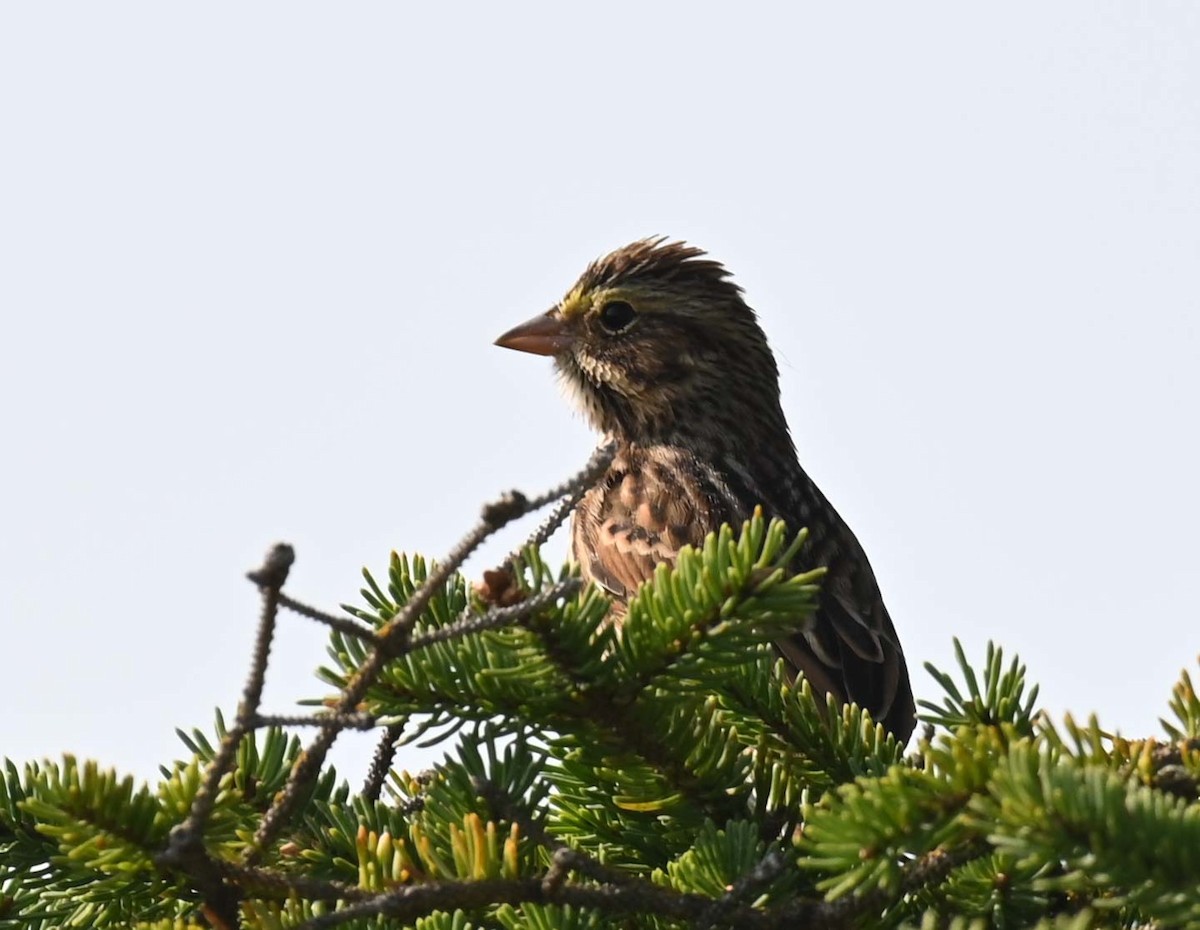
(854, 643)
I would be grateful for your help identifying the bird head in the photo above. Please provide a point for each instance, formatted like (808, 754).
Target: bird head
(656, 344)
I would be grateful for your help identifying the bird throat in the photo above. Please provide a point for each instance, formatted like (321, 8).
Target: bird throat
(676, 413)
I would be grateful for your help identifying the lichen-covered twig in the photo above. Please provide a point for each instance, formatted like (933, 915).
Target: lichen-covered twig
(394, 639)
(185, 850)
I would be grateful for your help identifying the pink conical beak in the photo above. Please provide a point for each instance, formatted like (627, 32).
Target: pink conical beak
(545, 334)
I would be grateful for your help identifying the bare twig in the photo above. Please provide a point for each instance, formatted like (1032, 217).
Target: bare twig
(381, 762)
(770, 867)
(358, 721)
(341, 624)
(571, 492)
(393, 640)
(579, 482)
(497, 616)
(184, 848)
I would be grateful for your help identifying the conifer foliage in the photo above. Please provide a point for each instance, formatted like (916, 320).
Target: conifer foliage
(666, 774)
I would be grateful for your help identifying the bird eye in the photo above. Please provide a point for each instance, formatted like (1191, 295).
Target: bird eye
(616, 315)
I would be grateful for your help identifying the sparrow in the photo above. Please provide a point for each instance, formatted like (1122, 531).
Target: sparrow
(663, 355)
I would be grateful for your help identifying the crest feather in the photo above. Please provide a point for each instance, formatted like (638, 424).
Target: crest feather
(654, 261)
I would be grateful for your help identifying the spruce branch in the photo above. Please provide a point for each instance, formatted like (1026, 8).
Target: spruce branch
(571, 491)
(393, 640)
(667, 774)
(636, 896)
(185, 850)
(853, 909)
(633, 898)
(1185, 705)
(1001, 698)
(506, 808)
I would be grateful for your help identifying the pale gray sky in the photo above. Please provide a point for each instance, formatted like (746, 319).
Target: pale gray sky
(253, 257)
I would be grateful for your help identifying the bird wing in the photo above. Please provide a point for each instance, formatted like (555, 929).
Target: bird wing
(852, 649)
(650, 505)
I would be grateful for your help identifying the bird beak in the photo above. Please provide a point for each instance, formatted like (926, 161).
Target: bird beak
(545, 334)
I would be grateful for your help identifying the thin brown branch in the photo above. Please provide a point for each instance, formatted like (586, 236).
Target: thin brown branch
(613, 893)
(394, 641)
(333, 621)
(571, 492)
(497, 616)
(270, 578)
(281, 886)
(770, 867)
(578, 483)
(357, 721)
(381, 762)
(184, 849)
(640, 897)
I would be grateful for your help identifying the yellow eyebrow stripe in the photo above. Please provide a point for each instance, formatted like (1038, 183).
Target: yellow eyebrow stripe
(575, 303)
(580, 301)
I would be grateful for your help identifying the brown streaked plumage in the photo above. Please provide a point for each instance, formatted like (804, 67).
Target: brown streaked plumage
(663, 355)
